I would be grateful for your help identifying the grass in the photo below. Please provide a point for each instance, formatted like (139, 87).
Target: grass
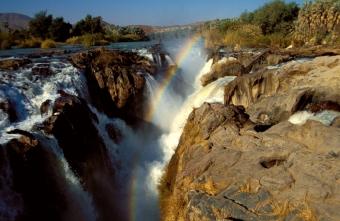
(171, 203)
(48, 43)
(73, 41)
(88, 40)
(30, 43)
(207, 187)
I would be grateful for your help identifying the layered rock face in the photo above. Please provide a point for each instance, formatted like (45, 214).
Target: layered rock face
(245, 161)
(115, 87)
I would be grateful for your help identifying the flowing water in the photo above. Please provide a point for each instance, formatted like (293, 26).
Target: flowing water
(140, 156)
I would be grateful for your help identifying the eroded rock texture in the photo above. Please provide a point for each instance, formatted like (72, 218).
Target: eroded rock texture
(244, 161)
(115, 86)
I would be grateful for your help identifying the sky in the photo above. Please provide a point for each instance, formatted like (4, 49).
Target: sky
(136, 12)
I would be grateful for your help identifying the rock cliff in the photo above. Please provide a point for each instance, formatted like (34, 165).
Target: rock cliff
(113, 81)
(245, 161)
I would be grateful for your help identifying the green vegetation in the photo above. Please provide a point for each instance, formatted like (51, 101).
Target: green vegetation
(319, 20)
(269, 25)
(48, 43)
(44, 31)
(277, 24)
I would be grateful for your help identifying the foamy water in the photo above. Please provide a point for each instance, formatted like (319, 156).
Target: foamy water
(326, 117)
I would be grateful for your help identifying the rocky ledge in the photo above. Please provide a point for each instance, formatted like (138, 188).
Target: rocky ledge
(114, 82)
(245, 160)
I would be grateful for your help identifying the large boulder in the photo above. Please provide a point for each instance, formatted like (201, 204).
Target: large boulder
(224, 169)
(114, 82)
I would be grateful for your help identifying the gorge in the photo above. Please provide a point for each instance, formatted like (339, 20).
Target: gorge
(107, 134)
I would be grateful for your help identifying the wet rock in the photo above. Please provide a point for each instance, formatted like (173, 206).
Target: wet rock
(14, 64)
(54, 52)
(34, 178)
(114, 133)
(115, 87)
(325, 105)
(274, 59)
(216, 56)
(44, 107)
(73, 125)
(228, 68)
(42, 71)
(8, 107)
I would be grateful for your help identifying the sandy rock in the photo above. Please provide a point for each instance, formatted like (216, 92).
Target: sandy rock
(235, 174)
(292, 87)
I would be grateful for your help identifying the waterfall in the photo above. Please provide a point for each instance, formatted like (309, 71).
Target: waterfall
(79, 202)
(137, 156)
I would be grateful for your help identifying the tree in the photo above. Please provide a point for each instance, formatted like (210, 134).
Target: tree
(88, 25)
(59, 30)
(276, 16)
(6, 26)
(40, 24)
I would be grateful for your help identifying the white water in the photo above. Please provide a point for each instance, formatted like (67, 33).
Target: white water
(139, 157)
(27, 91)
(79, 202)
(326, 117)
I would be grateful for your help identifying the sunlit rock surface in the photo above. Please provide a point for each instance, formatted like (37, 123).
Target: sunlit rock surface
(115, 87)
(246, 160)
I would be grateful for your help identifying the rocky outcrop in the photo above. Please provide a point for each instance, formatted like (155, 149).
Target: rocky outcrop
(34, 178)
(224, 169)
(115, 86)
(219, 70)
(73, 124)
(8, 107)
(13, 64)
(245, 161)
(287, 89)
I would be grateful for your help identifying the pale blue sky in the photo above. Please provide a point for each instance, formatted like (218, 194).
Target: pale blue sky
(136, 12)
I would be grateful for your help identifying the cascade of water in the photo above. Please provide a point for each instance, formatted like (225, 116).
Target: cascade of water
(138, 156)
(79, 202)
(27, 91)
(10, 202)
(326, 117)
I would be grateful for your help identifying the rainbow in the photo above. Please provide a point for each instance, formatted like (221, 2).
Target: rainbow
(183, 54)
(181, 57)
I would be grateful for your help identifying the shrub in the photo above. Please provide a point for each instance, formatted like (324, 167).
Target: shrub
(30, 43)
(93, 40)
(133, 37)
(73, 41)
(5, 44)
(48, 43)
(213, 39)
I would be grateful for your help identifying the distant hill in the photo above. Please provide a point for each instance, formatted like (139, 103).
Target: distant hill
(15, 20)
